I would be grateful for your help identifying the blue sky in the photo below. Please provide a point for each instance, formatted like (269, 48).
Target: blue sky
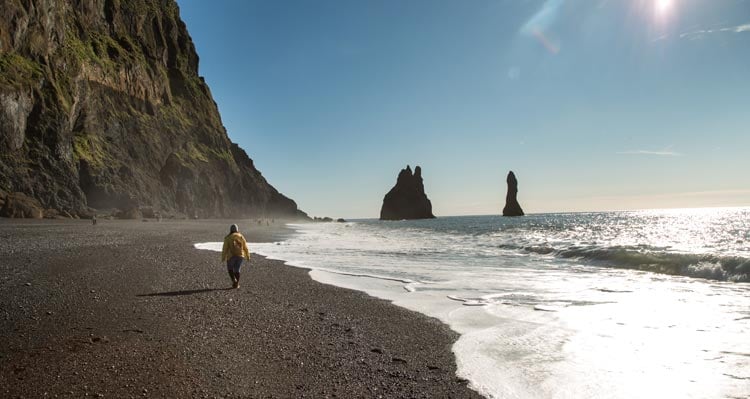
(594, 104)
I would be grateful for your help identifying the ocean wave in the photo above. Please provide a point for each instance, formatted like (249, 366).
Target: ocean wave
(708, 266)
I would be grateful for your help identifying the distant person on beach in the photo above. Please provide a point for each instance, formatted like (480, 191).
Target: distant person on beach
(234, 252)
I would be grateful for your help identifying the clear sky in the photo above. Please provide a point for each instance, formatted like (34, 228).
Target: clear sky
(594, 104)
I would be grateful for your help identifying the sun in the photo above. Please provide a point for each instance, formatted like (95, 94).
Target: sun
(663, 6)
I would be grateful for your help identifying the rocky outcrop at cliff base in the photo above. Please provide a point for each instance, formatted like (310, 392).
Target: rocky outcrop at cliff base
(19, 205)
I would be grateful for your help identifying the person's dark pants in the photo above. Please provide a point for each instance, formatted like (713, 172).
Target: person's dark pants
(234, 264)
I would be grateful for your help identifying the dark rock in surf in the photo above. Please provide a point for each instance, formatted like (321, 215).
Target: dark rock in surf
(407, 199)
(512, 207)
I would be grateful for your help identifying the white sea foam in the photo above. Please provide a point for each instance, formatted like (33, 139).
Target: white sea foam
(544, 323)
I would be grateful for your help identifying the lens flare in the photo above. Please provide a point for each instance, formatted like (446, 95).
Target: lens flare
(662, 6)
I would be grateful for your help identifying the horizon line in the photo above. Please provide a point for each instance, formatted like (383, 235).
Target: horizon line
(558, 212)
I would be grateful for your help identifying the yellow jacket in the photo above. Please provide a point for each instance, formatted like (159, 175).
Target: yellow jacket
(234, 245)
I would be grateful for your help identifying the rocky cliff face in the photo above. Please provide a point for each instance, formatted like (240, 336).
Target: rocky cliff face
(101, 106)
(512, 207)
(407, 199)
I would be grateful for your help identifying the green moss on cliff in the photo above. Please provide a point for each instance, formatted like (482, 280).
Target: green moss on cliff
(140, 7)
(224, 155)
(106, 51)
(194, 153)
(150, 7)
(175, 117)
(194, 86)
(216, 153)
(90, 149)
(17, 70)
(128, 46)
(62, 88)
(189, 154)
(77, 49)
(95, 49)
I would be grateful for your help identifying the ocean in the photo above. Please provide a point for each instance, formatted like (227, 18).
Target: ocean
(631, 304)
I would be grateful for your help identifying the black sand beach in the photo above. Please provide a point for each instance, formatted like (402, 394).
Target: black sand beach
(131, 309)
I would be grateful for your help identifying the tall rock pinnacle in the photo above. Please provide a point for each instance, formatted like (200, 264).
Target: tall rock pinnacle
(407, 199)
(512, 207)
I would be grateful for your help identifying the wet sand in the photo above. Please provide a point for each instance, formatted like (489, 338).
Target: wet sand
(131, 309)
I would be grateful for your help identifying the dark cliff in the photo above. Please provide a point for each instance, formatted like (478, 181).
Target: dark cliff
(512, 207)
(101, 106)
(407, 199)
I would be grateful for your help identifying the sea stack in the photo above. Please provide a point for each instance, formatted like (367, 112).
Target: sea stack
(512, 207)
(407, 199)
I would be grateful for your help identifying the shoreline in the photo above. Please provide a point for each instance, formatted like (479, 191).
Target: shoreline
(131, 309)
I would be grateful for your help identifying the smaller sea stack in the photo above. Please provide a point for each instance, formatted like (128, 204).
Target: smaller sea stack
(407, 199)
(512, 207)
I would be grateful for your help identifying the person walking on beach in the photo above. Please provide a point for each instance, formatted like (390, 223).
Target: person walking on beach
(234, 252)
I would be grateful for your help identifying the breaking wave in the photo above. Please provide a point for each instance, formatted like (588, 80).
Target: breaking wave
(708, 266)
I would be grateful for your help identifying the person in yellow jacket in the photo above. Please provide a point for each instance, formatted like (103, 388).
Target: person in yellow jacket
(234, 252)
